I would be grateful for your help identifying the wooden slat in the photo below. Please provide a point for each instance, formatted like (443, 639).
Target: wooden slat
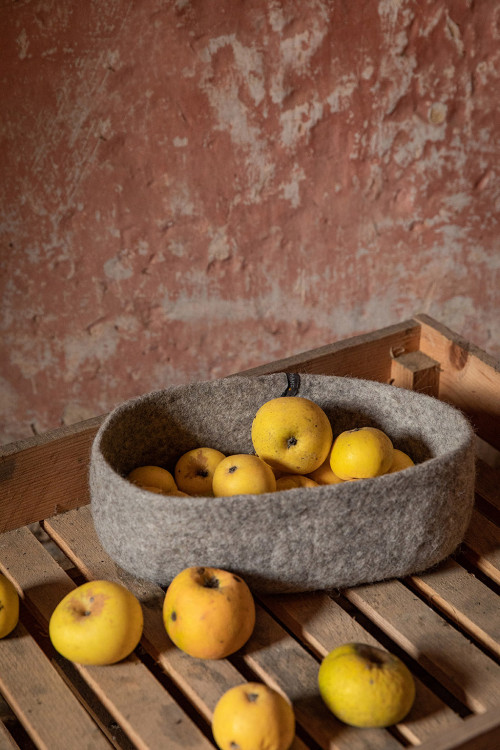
(203, 682)
(49, 712)
(465, 600)
(488, 483)
(45, 475)
(435, 644)
(278, 658)
(131, 694)
(482, 545)
(364, 356)
(7, 742)
(323, 625)
(480, 732)
(469, 378)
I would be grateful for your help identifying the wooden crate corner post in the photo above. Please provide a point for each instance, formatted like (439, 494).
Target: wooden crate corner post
(417, 372)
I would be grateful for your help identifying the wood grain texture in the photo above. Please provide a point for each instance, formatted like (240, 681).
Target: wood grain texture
(480, 732)
(7, 741)
(131, 694)
(45, 475)
(482, 545)
(366, 356)
(465, 600)
(417, 372)
(469, 378)
(435, 644)
(50, 713)
(322, 624)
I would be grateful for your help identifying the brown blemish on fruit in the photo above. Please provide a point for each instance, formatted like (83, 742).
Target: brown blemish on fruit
(236, 578)
(173, 616)
(291, 442)
(234, 745)
(375, 657)
(232, 469)
(252, 697)
(94, 607)
(211, 582)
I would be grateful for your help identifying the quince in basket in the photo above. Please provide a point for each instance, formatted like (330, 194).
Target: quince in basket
(195, 469)
(292, 434)
(149, 477)
(243, 474)
(361, 453)
(294, 446)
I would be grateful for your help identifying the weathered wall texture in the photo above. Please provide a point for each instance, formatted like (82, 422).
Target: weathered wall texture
(191, 188)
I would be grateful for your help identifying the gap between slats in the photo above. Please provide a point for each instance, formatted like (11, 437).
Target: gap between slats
(136, 700)
(50, 713)
(204, 682)
(437, 646)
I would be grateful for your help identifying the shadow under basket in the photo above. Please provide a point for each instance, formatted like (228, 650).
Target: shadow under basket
(326, 537)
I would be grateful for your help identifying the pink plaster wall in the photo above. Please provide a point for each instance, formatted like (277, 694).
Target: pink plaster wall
(191, 188)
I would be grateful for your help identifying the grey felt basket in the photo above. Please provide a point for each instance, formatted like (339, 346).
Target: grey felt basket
(295, 540)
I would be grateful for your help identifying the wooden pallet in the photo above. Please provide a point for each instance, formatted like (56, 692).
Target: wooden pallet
(444, 624)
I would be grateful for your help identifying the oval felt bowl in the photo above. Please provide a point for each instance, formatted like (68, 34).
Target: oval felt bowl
(295, 540)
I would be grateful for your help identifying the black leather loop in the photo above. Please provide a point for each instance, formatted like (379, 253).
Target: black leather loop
(293, 386)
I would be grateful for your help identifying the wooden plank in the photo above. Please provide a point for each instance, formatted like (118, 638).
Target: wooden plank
(49, 712)
(203, 682)
(280, 660)
(470, 378)
(143, 708)
(436, 645)
(321, 623)
(45, 475)
(480, 732)
(364, 356)
(7, 741)
(482, 545)
(464, 599)
(488, 483)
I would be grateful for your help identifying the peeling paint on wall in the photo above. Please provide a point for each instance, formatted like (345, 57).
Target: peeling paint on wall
(191, 188)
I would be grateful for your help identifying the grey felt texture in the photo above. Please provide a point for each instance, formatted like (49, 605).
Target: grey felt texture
(295, 540)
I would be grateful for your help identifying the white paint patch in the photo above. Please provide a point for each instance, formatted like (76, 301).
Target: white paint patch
(114, 269)
(176, 248)
(297, 123)
(339, 99)
(179, 201)
(96, 348)
(180, 142)
(455, 311)
(232, 114)
(23, 44)
(220, 247)
(291, 190)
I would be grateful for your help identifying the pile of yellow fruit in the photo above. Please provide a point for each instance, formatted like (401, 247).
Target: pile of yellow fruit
(294, 447)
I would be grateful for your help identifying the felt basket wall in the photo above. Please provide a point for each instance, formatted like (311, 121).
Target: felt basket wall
(294, 540)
